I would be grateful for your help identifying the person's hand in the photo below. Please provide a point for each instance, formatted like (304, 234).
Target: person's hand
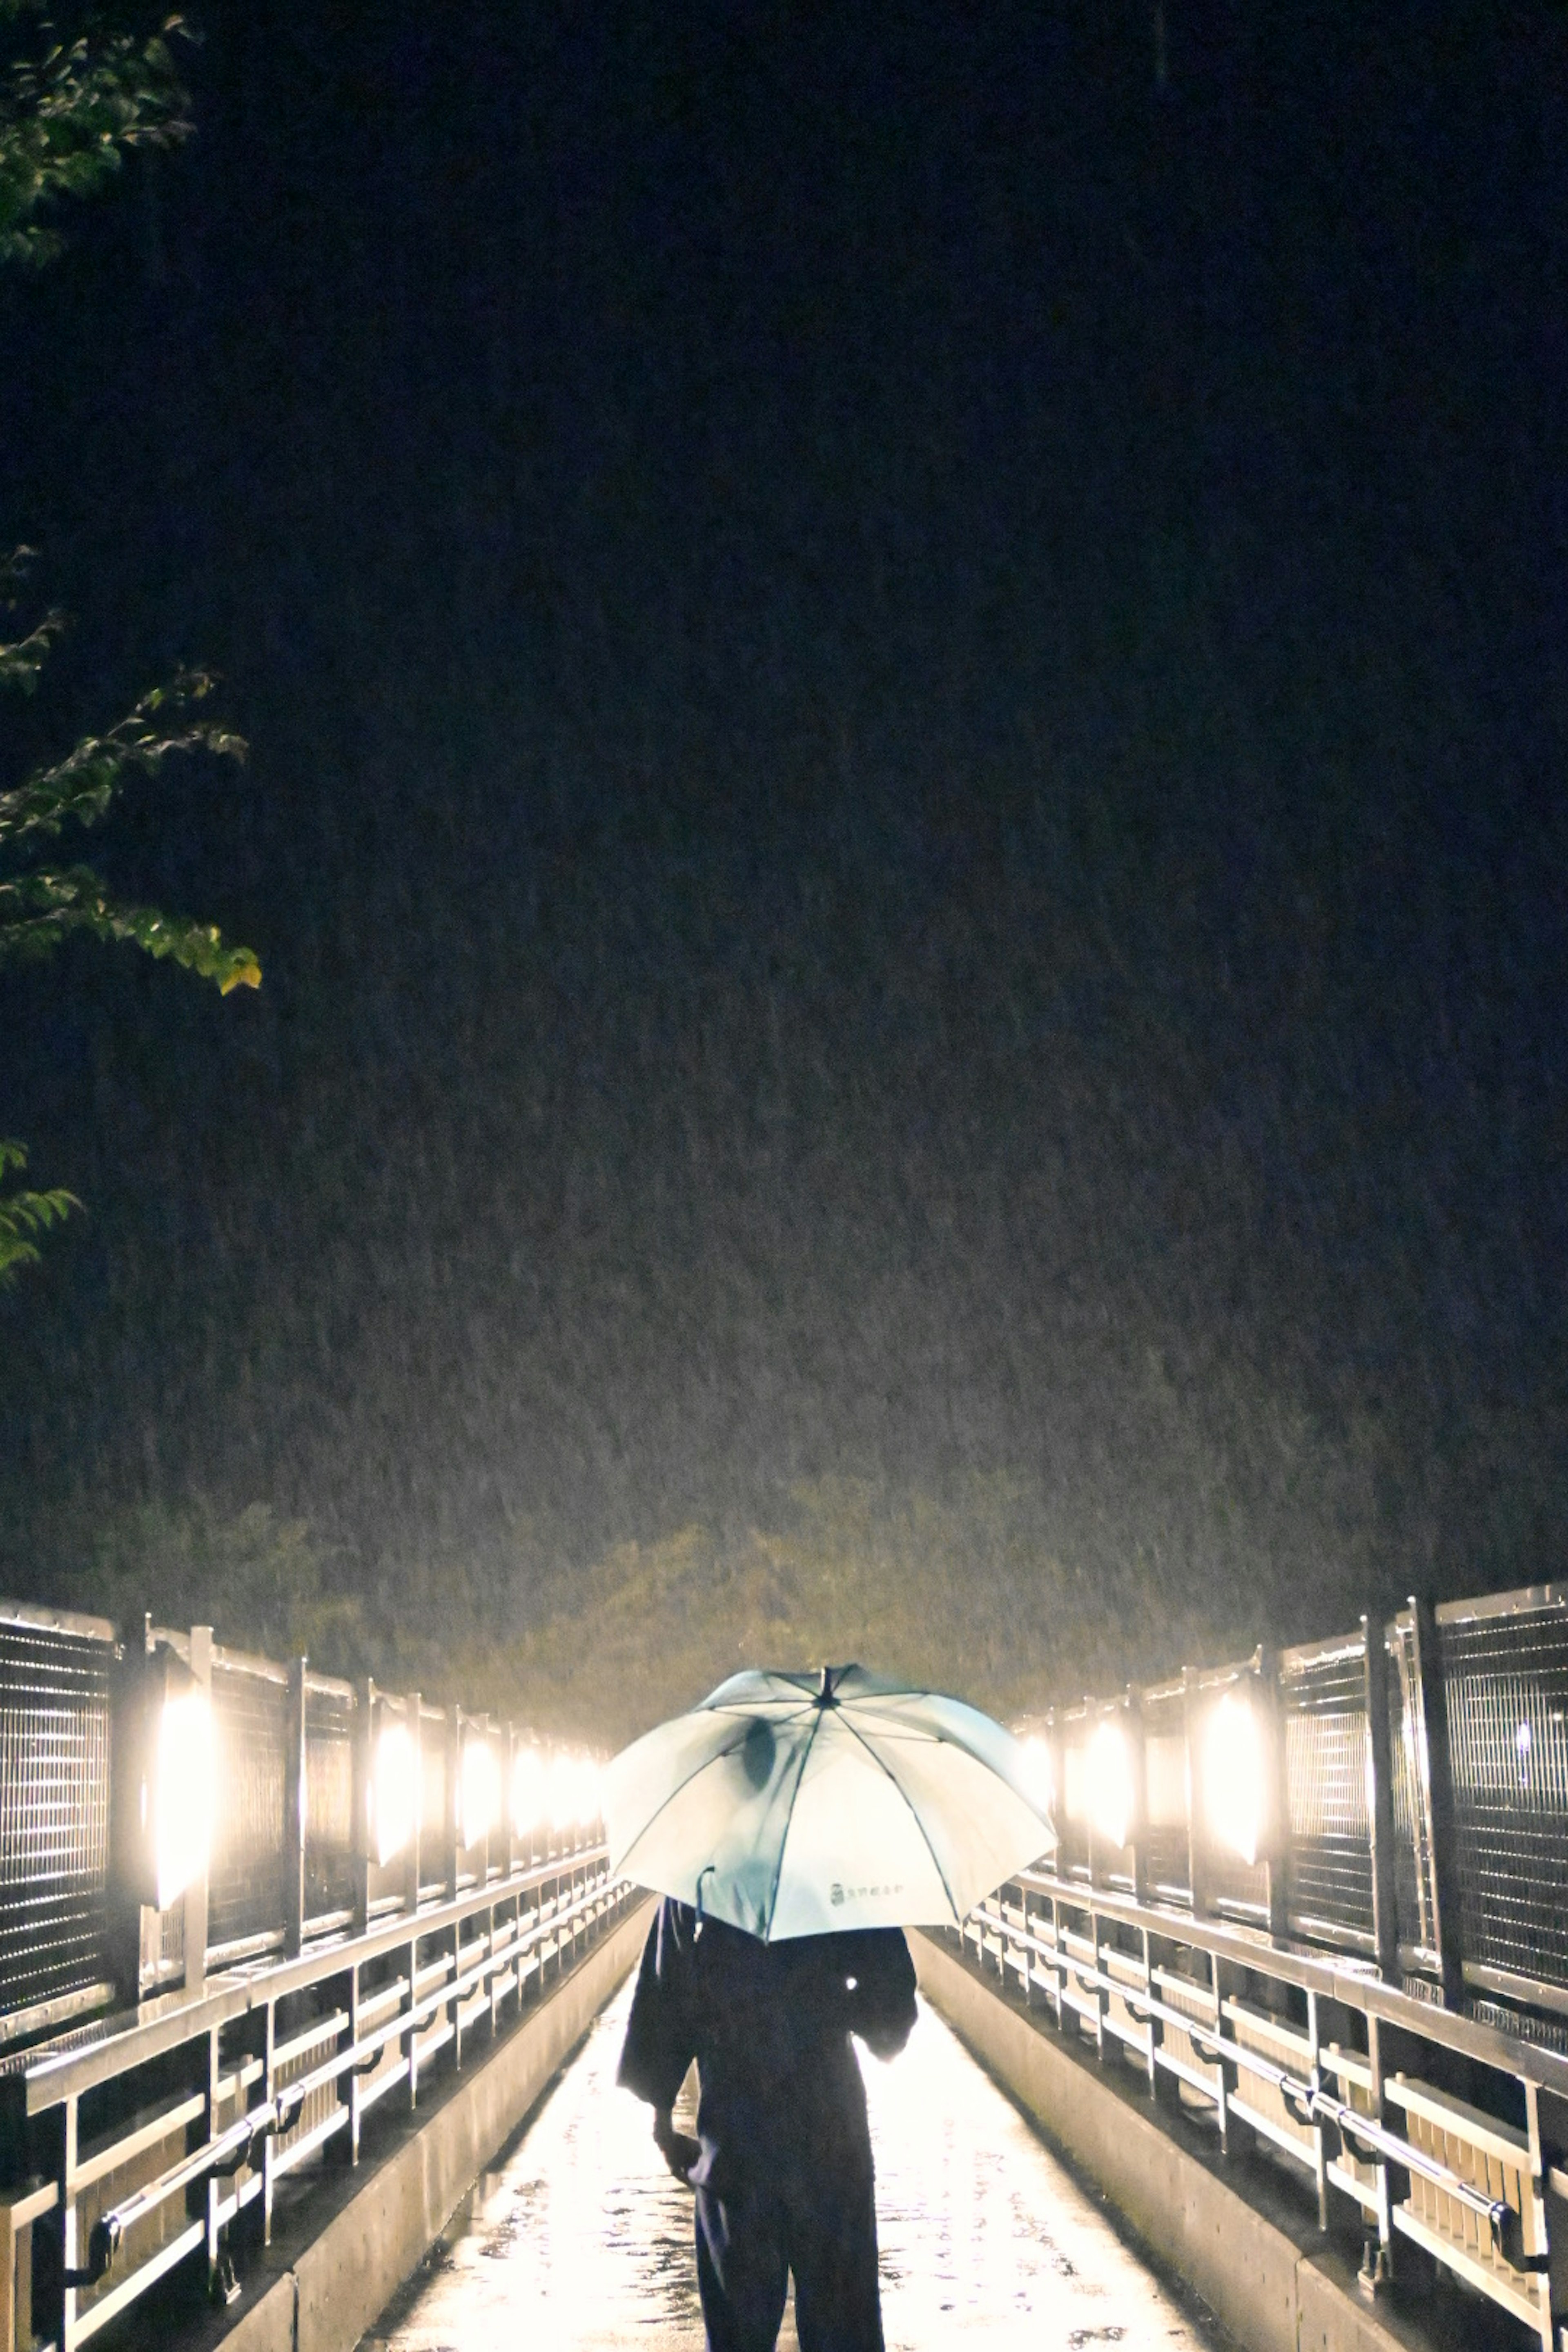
(679, 2151)
(885, 2041)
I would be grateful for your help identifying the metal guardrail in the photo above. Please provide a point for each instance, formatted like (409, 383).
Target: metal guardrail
(1420, 1813)
(168, 2136)
(1400, 1890)
(1418, 2127)
(1355, 1950)
(173, 2070)
(289, 1859)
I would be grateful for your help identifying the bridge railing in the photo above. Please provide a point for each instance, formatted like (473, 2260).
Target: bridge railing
(1431, 2137)
(1320, 1897)
(1399, 1792)
(245, 1910)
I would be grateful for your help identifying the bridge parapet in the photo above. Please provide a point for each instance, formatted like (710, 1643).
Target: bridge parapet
(1320, 1898)
(249, 1913)
(1399, 1793)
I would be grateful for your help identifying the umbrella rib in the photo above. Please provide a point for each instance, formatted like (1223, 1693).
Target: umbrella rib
(914, 1816)
(789, 1824)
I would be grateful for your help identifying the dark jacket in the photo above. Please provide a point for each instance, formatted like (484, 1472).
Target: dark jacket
(769, 2026)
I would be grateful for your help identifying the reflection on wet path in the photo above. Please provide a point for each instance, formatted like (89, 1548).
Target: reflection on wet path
(580, 2239)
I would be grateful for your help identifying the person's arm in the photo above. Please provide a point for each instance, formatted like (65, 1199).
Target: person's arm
(658, 2047)
(882, 1995)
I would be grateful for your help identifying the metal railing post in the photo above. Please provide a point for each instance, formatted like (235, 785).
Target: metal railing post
(270, 2144)
(451, 1854)
(195, 1896)
(452, 1862)
(1380, 1799)
(1377, 2262)
(69, 2246)
(1437, 1797)
(1277, 1855)
(1198, 1852)
(1132, 1726)
(296, 1800)
(414, 1715)
(1091, 1838)
(364, 1767)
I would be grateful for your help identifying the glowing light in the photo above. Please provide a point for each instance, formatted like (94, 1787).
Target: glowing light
(182, 1793)
(1039, 1780)
(573, 1799)
(1112, 1796)
(394, 1793)
(529, 1792)
(1235, 1791)
(479, 1790)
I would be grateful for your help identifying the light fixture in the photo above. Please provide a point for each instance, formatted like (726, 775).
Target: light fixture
(164, 1816)
(393, 1792)
(1237, 1781)
(530, 1793)
(1112, 1790)
(478, 1790)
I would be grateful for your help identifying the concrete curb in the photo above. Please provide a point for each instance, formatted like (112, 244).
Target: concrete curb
(1268, 2277)
(322, 2297)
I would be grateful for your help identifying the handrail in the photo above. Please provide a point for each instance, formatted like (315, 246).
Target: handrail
(79, 2060)
(507, 1953)
(1309, 2098)
(1337, 1975)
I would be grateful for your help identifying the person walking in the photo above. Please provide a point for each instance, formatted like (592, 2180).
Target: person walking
(782, 2161)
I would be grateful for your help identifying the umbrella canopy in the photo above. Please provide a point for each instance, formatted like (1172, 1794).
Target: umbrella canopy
(801, 1804)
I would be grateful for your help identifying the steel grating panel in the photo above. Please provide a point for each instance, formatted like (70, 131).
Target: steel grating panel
(250, 1720)
(1166, 1856)
(1323, 1701)
(1240, 1888)
(1166, 1865)
(1507, 1683)
(54, 1813)
(329, 1802)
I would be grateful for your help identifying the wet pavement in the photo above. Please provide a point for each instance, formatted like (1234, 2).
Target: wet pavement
(580, 2239)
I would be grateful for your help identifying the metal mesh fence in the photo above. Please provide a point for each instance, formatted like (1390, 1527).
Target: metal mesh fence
(250, 1717)
(54, 1813)
(1322, 1697)
(1507, 1683)
(433, 1801)
(1504, 1669)
(328, 1799)
(1166, 1859)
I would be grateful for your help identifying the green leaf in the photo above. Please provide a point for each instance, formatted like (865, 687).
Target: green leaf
(25, 1214)
(40, 910)
(21, 661)
(41, 906)
(69, 112)
(82, 785)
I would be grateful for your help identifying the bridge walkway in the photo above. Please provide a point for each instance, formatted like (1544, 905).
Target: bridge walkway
(579, 2240)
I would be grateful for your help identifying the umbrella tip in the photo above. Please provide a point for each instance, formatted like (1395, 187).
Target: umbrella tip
(827, 1694)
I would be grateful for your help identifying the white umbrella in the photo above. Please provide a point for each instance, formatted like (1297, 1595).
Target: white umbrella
(799, 1804)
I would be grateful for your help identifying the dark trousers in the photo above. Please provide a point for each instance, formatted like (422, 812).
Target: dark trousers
(822, 2229)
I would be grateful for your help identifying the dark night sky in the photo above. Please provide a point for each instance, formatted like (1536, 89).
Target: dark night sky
(907, 712)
